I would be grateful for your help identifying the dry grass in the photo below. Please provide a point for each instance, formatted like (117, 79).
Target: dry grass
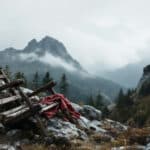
(128, 139)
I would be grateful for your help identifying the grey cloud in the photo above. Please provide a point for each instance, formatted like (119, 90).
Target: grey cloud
(109, 34)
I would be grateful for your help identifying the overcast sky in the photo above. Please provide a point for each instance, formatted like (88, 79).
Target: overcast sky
(100, 34)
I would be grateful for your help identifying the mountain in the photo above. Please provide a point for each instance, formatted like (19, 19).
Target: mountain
(49, 54)
(127, 76)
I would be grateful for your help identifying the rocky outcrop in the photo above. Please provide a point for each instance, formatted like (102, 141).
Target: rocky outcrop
(143, 88)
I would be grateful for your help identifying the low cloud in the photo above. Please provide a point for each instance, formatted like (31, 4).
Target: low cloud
(101, 35)
(48, 59)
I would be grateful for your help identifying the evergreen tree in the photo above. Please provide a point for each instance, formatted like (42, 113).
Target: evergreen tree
(99, 102)
(20, 75)
(36, 81)
(47, 78)
(123, 109)
(63, 85)
(7, 71)
(91, 101)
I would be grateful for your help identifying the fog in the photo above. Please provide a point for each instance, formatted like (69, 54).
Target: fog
(101, 35)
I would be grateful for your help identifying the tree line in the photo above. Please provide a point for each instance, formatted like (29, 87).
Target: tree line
(37, 80)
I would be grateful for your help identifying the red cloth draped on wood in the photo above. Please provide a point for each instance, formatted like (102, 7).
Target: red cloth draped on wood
(64, 104)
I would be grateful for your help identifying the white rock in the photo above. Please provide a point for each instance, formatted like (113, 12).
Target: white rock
(147, 146)
(6, 147)
(138, 147)
(91, 113)
(61, 128)
(95, 125)
(115, 124)
(76, 107)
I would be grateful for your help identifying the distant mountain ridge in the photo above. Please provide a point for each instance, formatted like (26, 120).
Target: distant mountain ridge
(49, 54)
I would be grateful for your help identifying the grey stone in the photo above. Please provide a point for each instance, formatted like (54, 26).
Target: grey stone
(91, 113)
(60, 128)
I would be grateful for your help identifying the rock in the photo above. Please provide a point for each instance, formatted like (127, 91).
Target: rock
(95, 126)
(59, 128)
(91, 113)
(115, 125)
(76, 107)
(6, 147)
(83, 122)
(146, 70)
(143, 88)
(136, 147)
(147, 146)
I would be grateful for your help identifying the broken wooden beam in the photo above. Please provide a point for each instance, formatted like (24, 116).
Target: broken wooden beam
(45, 108)
(2, 77)
(11, 84)
(48, 86)
(17, 116)
(13, 110)
(9, 99)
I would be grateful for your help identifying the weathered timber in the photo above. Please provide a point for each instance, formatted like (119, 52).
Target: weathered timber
(17, 113)
(7, 80)
(48, 107)
(9, 99)
(11, 84)
(27, 100)
(21, 115)
(13, 110)
(48, 86)
(2, 77)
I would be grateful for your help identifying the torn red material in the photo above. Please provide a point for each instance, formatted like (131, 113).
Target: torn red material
(64, 104)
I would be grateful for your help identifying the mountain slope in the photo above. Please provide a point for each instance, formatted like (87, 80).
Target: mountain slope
(51, 55)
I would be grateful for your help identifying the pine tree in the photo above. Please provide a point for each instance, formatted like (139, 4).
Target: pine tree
(99, 101)
(20, 75)
(91, 101)
(124, 105)
(7, 71)
(35, 81)
(47, 78)
(63, 85)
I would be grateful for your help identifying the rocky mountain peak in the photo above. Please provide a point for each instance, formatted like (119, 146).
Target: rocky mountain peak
(146, 70)
(143, 88)
(47, 44)
(31, 45)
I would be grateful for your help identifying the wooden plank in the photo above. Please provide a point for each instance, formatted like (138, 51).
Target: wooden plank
(11, 84)
(1, 76)
(48, 86)
(27, 100)
(12, 110)
(7, 80)
(48, 107)
(9, 99)
(17, 113)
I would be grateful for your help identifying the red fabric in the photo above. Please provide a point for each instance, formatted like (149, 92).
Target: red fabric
(64, 104)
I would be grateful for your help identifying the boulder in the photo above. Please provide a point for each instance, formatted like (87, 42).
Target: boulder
(6, 147)
(90, 112)
(115, 125)
(63, 129)
(147, 146)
